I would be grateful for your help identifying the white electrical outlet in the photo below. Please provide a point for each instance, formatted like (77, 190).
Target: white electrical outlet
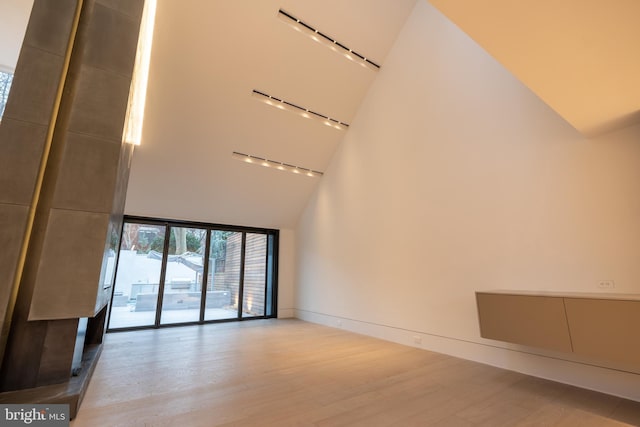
(417, 339)
(606, 284)
(339, 323)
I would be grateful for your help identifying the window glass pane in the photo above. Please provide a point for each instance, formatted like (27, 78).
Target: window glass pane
(224, 275)
(183, 279)
(255, 268)
(136, 292)
(5, 86)
(146, 274)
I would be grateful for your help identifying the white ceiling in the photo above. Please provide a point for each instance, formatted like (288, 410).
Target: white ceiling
(14, 16)
(208, 56)
(582, 57)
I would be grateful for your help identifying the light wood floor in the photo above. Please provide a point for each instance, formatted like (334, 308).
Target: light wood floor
(293, 373)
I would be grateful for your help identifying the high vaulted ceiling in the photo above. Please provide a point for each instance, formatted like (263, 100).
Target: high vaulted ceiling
(582, 57)
(14, 16)
(208, 56)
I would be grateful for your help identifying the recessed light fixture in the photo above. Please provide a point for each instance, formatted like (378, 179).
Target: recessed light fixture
(301, 111)
(327, 41)
(261, 161)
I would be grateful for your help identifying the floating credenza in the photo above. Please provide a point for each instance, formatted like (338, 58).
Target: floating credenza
(601, 326)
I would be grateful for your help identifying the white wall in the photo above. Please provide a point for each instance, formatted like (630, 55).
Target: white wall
(14, 15)
(286, 273)
(454, 178)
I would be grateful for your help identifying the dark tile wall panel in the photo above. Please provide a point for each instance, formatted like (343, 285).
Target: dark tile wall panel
(69, 266)
(21, 145)
(87, 178)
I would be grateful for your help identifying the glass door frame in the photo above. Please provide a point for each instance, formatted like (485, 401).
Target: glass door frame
(270, 308)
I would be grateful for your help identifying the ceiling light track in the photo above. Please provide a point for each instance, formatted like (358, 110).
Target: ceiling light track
(281, 104)
(261, 161)
(327, 41)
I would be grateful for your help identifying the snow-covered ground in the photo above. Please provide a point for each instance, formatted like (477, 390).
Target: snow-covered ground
(124, 317)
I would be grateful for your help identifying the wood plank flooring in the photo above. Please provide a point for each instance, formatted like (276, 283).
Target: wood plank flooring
(292, 373)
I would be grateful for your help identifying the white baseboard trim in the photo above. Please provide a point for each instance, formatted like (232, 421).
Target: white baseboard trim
(285, 313)
(605, 380)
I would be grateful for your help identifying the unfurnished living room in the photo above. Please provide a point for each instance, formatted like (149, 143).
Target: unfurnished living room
(319, 213)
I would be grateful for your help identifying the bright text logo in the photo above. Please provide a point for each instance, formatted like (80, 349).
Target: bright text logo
(34, 415)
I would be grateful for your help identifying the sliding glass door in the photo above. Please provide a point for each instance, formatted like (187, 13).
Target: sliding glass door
(135, 294)
(255, 275)
(223, 278)
(182, 290)
(175, 272)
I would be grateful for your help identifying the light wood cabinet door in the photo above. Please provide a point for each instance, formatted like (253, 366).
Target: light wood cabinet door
(536, 321)
(605, 329)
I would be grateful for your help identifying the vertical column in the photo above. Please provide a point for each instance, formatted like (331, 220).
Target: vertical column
(82, 195)
(79, 206)
(24, 133)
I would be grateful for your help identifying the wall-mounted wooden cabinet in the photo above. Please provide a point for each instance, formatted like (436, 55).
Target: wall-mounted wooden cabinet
(601, 326)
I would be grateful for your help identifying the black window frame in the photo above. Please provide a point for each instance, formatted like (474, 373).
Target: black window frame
(272, 256)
